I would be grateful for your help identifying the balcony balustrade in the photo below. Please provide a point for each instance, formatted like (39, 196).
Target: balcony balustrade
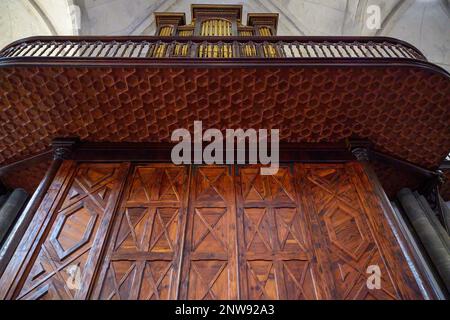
(86, 48)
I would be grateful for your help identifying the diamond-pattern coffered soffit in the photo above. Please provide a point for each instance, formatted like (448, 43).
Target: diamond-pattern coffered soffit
(403, 109)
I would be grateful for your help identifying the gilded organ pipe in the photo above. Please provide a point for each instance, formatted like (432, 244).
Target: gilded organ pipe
(215, 27)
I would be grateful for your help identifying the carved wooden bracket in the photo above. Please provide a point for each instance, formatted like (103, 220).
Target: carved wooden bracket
(360, 149)
(63, 147)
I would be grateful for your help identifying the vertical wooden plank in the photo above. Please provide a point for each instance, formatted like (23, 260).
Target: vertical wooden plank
(108, 248)
(210, 255)
(324, 283)
(182, 237)
(100, 242)
(233, 249)
(240, 236)
(274, 239)
(258, 269)
(293, 251)
(142, 261)
(187, 244)
(276, 259)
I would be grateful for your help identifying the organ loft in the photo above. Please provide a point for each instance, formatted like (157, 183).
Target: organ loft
(91, 191)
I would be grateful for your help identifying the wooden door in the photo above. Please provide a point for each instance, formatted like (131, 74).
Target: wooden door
(58, 256)
(161, 231)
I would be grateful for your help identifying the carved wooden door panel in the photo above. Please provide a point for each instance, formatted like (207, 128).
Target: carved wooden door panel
(351, 234)
(143, 257)
(276, 259)
(210, 252)
(64, 261)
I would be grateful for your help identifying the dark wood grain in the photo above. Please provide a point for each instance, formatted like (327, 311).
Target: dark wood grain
(24, 253)
(275, 249)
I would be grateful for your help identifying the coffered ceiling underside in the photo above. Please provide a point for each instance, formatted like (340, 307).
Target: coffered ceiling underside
(403, 111)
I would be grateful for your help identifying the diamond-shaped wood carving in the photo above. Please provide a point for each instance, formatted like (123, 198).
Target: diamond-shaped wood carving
(344, 230)
(73, 228)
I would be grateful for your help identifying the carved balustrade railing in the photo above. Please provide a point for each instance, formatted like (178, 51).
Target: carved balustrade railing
(210, 48)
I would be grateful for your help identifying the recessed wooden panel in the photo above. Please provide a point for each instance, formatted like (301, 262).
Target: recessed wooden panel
(346, 241)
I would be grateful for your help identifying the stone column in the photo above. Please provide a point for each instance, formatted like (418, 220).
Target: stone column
(10, 210)
(429, 237)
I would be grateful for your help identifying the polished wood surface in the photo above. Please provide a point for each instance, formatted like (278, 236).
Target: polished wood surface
(210, 232)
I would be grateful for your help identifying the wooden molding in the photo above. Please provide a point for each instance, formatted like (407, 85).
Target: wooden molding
(63, 147)
(170, 18)
(161, 152)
